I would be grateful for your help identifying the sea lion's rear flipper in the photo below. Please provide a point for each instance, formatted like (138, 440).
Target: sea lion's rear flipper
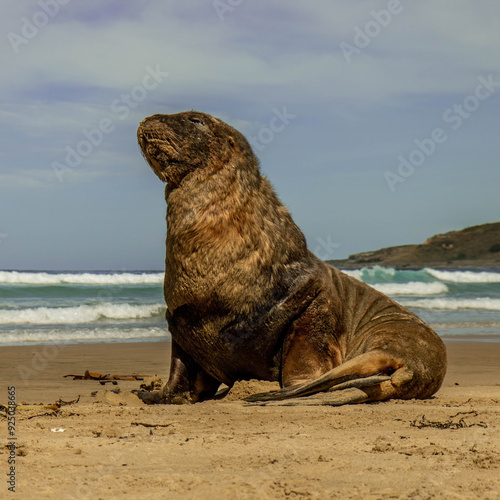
(380, 373)
(338, 398)
(345, 393)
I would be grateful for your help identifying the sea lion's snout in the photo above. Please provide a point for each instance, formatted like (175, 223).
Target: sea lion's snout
(159, 145)
(150, 130)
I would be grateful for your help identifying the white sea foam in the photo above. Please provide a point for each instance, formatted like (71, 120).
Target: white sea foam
(412, 288)
(82, 335)
(375, 271)
(79, 314)
(454, 304)
(22, 278)
(465, 276)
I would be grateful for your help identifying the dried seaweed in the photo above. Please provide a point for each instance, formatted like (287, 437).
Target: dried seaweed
(53, 408)
(46, 414)
(456, 421)
(451, 405)
(104, 379)
(60, 402)
(151, 425)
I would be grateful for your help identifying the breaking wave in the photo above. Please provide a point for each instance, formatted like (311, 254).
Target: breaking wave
(80, 314)
(412, 288)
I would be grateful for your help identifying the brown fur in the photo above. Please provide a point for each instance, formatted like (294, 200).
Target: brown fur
(246, 299)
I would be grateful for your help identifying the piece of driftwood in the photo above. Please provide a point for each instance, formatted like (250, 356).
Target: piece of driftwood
(104, 379)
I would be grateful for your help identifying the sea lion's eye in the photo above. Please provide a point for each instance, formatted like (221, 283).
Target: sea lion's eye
(195, 120)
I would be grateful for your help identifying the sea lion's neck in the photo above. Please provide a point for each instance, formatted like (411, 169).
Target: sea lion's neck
(230, 204)
(204, 199)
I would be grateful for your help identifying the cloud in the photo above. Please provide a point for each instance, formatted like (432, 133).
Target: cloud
(264, 54)
(111, 54)
(26, 178)
(353, 120)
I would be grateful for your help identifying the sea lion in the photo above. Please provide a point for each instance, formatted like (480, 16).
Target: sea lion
(245, 297)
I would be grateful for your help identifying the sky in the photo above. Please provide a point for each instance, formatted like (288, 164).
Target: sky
(377, 122)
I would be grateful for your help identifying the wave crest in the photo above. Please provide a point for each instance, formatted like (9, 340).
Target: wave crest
(24, 278)
(455, 304)
(464, 276)
(412, 288)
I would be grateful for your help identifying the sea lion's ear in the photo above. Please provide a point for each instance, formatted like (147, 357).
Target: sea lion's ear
(231, 141)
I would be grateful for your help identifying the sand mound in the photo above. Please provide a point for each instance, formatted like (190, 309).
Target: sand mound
(117, 398)
(244, 388)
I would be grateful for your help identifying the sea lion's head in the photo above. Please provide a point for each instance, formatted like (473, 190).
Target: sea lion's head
(178, 144)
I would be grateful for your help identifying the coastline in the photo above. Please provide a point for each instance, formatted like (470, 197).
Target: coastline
(106, 306)
(488, 331)
(38, 370)
(347, 265)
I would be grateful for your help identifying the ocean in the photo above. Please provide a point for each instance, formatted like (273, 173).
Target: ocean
(76, 307)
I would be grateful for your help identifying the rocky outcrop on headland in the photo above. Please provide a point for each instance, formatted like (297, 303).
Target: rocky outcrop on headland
(472, 247)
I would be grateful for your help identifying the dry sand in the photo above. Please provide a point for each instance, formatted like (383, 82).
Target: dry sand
(227, 449)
